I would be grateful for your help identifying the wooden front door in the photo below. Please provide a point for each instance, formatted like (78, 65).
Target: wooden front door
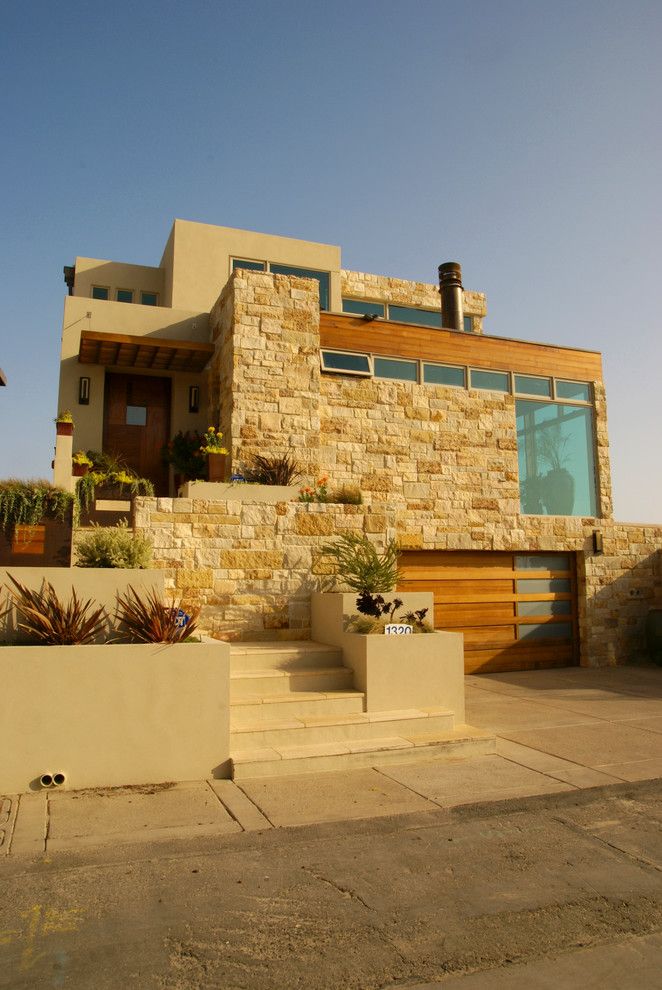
(136, 424)
(517, 611)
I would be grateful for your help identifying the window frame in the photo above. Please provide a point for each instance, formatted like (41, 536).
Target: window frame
(101, 288)
(117, 295)
(343, 371)
(149, 292)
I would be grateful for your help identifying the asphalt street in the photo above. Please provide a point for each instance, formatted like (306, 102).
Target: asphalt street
(555, 890)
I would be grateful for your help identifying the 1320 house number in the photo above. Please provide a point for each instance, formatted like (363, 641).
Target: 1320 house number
(398, 629)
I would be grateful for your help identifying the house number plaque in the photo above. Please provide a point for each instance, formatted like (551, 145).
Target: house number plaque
(398, 629)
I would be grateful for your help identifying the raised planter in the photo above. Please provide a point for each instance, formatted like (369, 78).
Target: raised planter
(396, 672)
(238, 492)
(113, 715)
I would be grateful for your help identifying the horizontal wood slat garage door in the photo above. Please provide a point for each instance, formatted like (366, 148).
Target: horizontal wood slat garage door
(516, 611)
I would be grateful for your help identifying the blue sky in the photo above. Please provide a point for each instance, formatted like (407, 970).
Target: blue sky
(519, 138)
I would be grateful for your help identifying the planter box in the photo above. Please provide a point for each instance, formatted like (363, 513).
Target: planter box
(396, 672)
(100, 583)
(46, 544)
(113, 715)
(238, 492)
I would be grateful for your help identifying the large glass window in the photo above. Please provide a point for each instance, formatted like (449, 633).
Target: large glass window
(404, 371)
(363, 307)
(409, 314)
(321, 277)
(443, 374)
(556, 459)
(495, 381)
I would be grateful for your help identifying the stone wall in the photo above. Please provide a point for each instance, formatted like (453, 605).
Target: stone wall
(450, 453)
(402, 292)
(253, 567)
(265, 373)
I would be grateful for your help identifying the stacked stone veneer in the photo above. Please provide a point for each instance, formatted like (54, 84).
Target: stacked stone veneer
(252, 567)
(437, 468)
(264, 377)
(401, 292)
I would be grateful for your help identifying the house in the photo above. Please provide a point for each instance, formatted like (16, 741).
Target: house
(486, 457)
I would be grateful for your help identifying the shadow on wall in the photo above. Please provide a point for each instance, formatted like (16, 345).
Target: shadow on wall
(620, 590)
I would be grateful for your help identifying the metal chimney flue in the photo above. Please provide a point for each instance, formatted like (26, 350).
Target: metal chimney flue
(452, 301)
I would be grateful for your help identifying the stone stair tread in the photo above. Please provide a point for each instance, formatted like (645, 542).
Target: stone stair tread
(403, 713)
(292, 696)
(460, 732)
(303, 722)
(282, 646)
(277, 672)
(380, 745)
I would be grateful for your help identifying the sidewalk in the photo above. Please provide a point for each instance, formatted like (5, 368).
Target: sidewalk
(557, 731)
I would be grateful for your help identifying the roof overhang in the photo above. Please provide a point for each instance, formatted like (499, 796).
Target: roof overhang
(117, 350)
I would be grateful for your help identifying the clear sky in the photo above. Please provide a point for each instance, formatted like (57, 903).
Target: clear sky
(519, 137)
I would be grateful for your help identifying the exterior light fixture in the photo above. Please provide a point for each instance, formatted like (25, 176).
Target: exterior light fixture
(83, 391)
(597, 541)
(194, 398)
(369, 317)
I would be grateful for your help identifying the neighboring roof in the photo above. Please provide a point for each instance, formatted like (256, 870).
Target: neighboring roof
(150, 353)
(3, 377)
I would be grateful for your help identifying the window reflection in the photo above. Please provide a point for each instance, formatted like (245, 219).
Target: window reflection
(556, 459)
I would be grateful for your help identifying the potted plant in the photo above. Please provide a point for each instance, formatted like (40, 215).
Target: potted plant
(558, 485)
(212, 446)
(64, 424)
(80, 464)
(188, 461)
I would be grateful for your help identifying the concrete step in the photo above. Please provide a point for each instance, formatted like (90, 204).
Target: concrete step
(251, 708)
(464, 740)
(323, 728)
(284, 656)
(245, 683)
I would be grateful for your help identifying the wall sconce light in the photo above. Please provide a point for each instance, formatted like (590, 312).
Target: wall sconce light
(83, 391)
(597, 541)
(194, 398)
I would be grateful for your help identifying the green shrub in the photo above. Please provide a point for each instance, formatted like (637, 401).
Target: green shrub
(27, 502)
(114, 547)
(360, 567)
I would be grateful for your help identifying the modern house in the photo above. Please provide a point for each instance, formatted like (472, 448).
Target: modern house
(486, 457)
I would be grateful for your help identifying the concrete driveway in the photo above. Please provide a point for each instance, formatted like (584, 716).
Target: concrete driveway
(557, 731)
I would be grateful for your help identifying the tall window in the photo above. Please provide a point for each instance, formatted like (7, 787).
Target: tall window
(556, 458)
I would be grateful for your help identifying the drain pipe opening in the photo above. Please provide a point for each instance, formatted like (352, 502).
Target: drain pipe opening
(59, 779)
(46, 780)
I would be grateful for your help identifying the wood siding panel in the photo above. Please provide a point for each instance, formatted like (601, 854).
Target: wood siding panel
(351, 333)
(474, 593)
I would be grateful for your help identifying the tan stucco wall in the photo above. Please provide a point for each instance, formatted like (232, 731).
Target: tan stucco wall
(116, 275)
(201, 262)
(133, 320)
(113, 715)
(395, 672)
(100, 584)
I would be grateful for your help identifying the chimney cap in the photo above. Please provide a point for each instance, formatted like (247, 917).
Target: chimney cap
(450, 268)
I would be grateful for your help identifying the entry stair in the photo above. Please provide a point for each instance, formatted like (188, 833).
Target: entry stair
(294, 709)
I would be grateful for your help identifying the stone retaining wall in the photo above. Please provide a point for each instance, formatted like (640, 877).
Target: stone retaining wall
(253, 567)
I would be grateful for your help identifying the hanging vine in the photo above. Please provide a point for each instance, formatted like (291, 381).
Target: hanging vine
(24, 503)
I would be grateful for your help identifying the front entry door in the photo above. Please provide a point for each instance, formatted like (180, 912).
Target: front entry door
(136, 424)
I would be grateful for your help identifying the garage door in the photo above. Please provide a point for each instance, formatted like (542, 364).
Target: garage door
(517, 611)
